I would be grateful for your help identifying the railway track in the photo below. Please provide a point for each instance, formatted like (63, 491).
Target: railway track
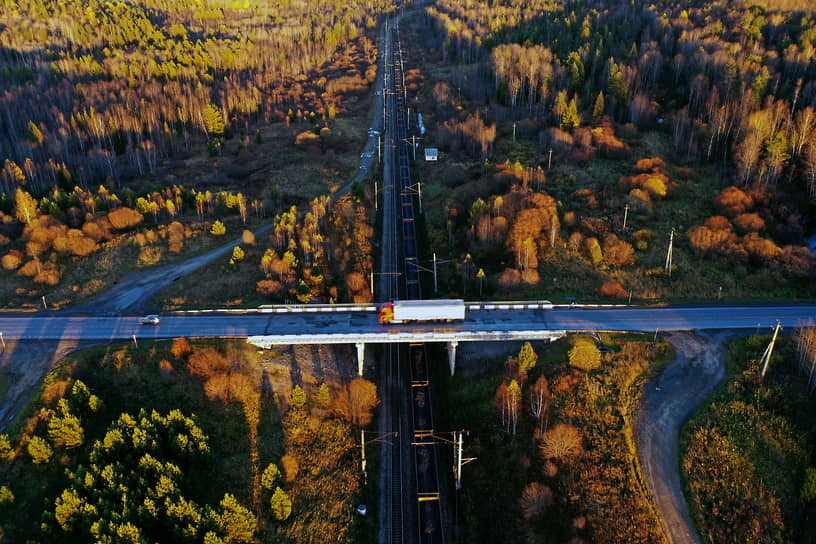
(425, 458)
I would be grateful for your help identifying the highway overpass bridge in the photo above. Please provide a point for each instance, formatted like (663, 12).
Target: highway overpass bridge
(359, 324)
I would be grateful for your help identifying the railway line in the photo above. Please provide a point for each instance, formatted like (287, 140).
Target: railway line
(429, 527)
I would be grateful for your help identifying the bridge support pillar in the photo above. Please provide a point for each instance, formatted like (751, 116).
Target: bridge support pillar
(452, 354)
(360, 357)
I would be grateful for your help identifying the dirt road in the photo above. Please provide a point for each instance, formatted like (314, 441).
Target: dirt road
(133, 292)
(666, 404)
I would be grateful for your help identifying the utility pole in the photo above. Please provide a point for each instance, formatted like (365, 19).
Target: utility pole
(669, 253)
(481, 276)
(419, 188)
(460, 461)
(766, 357)
(362, 453)
(135, 343)
(549, 161)
(625, 213)
(413, 144)
(514, 133)
(436, 287)
(378, 147)
(375, 195)
(45, 306)
(363, 443)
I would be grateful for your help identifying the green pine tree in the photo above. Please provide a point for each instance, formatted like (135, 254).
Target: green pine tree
(6, 451)
(270, 476)
(323, 397)
(298, 397)
(39, 450)
(571, 120)
(238, 523)
(281, 505)
(600, 106)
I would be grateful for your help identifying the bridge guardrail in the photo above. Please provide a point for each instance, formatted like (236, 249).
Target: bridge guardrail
(471, 306)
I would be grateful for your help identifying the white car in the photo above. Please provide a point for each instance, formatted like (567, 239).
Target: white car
(151, 319)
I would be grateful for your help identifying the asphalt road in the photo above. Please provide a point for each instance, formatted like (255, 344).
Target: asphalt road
(89, 327)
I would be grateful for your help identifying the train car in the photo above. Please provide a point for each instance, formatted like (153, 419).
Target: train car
(401, 311)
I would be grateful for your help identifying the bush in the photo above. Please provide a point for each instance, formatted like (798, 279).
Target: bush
(640, 201)
(731, 202)
(617, 252)
(808, 493)
(6, 496)
(594, 249)
(123, 218)
(585, 354)
(218, 229)
(181, 348)
(12, 260)
(509, 279)
(612, 289)
(650, 165)
(535, 499)
(562, 443)
(749, 222)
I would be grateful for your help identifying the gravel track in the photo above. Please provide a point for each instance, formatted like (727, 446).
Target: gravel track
(667, 403)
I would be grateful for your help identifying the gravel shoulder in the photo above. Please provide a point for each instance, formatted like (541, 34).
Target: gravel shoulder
(667, 403)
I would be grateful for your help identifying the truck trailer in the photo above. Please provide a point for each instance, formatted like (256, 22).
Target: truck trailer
(401, 311)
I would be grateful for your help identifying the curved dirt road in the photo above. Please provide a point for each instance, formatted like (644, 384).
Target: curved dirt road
(133, 292)
(667, 403)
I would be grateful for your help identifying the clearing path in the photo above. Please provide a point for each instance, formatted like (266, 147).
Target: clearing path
(133, 292)
(667, 403)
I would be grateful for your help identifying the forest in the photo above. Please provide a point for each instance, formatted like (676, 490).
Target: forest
(548, 469)
(746, 457)
(578, 136)
(106, 90)
(167, 129)
(188, 441)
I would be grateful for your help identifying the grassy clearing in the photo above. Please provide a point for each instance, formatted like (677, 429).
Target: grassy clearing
(597, 495)
(217, 285)
(84, 279)
(269, 167)
(744, 454)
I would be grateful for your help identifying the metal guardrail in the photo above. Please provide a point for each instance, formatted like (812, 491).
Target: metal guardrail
(337, 308)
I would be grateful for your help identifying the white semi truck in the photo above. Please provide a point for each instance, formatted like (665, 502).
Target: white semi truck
(401, 311)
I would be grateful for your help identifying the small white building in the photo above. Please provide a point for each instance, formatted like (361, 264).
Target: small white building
(431, 153)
